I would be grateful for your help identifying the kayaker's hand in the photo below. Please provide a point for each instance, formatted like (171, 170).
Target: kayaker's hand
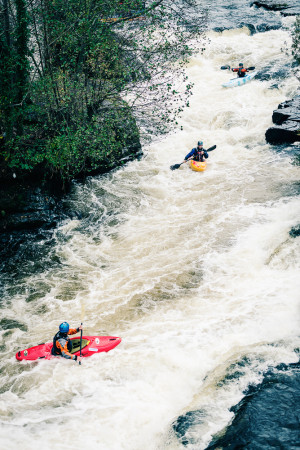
(80, 328)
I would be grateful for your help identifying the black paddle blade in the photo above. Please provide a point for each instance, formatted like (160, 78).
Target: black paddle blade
(251, 68)
(225, 67)
(175, 166)
(210, 149)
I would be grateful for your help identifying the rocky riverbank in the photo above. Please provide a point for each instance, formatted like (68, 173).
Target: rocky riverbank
(287, 123)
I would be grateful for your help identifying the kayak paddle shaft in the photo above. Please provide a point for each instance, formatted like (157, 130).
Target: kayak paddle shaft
(80, 342)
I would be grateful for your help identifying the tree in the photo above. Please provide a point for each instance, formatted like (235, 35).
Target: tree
(96, 67)
(14, 66)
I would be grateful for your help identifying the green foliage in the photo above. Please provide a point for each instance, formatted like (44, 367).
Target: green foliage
(101, 141)
(61, 104)
(80, 149)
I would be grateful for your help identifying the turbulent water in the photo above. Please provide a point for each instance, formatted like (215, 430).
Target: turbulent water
(197, 272)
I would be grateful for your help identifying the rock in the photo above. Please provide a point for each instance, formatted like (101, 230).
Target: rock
(27, 221)
(286, 134)
(287, 121)
(250, 27)
(291, 8)
(268, 416)
(295, 231)
(261, 28)
(28, 205)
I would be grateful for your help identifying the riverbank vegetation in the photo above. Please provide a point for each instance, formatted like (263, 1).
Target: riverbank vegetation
(80, 79)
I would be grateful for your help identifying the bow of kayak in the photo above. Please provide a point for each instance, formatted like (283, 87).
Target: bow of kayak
(90, 346)
(198, 166)
(239, 81)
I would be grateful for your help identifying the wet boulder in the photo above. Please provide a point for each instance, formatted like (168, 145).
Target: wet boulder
(268, 416)
(295, 231)
(287, 123)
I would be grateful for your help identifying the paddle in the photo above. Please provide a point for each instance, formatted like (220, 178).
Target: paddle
(82, 307)
(80, 343)
(176, 166)
(228, 67)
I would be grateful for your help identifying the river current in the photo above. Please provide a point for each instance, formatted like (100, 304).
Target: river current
(197, 272)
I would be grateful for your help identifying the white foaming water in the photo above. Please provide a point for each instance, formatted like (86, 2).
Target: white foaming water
(195, 271)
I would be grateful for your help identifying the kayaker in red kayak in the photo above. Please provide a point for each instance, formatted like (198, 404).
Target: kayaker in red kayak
(241, 71)
(62, 345)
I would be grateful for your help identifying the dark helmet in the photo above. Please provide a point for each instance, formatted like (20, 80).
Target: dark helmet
(64, 327)
(241, 64)
(200, 142)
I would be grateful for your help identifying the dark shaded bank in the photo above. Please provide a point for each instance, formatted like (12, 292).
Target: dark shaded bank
(27, 205)
(287, 123)
(267, 417)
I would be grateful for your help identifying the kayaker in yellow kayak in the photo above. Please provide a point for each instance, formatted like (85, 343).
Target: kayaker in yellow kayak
(197, 154)
(62, 345)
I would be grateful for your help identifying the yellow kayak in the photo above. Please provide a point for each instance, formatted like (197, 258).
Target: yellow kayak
(198, 166)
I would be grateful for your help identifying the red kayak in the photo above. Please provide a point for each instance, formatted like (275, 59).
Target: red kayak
(90, 346)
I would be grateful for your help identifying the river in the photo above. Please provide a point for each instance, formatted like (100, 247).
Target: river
(197, 272)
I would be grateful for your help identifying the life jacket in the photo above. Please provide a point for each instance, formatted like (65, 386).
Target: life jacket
(241, 72)
(198, 157)
(63, 339)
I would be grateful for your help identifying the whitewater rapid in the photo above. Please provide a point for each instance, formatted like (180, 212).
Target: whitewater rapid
(195, 271)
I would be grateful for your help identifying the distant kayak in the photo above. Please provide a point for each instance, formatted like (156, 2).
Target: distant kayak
(198, 166)
(90, 346)
(239, 81)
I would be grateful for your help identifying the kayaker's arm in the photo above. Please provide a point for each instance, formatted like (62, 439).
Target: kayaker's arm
(74, 330)
(189, 155)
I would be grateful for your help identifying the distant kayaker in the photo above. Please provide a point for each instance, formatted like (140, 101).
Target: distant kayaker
(241, 71)
(62, 345)
(198, 153)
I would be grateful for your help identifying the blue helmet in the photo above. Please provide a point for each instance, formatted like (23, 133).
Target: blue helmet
(200, 142)
(64, 327)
